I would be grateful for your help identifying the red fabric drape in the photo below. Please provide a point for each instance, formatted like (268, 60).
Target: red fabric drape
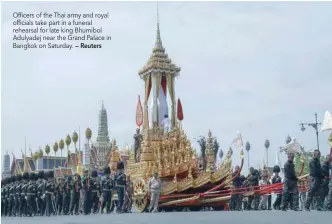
(180, 111)
(164, 84)
(150, 86)
(139, 113)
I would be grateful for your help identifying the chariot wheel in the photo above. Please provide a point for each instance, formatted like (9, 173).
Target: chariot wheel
(140, 201)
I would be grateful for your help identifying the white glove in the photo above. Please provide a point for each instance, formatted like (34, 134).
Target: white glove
(26, 198)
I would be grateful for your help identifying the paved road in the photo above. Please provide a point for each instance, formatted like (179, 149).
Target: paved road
(255, 217)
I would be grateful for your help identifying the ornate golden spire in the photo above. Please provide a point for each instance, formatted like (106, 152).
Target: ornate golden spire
(158, 43)
(159, 61)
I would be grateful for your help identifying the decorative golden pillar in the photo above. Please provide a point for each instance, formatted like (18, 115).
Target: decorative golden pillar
(147, 151)
(209, 152)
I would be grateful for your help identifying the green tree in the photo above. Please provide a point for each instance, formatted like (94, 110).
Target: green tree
(202, 143)
(216, 147)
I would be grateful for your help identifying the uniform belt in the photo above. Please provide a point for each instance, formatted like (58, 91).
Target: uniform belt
(95, 191)
(31, 194)
(11, 194)
(48, 192)
(120, 185)
(22, 194)
(107, 189)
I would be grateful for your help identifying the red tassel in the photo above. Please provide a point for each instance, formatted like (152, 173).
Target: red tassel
(139, 113)
(180, 111)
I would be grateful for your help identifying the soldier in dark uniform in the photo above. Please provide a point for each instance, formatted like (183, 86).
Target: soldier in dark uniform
(107, 188)
(128, 199)
(329, 195)
(120, 184)
(96, 192)
(326, 171)
(59, 195)
(3, 196)
(275, 180)
(23, 201)
(67, 185)
(49, 193)
(253, 179)
(75, 194)
(8, 186)
(86, 180)
(18, 193)
(315, 181)
(11, 198)
(40, 192)
(235, 202)
(15, 185)
(290, 185)
(6, 195)
(31, 195)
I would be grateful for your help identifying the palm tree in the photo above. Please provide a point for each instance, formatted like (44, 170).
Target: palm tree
(47, 151)
(41, 154)
(75, 139)
(55, 149)
(61, 146)
(35, 157)
(68, 141)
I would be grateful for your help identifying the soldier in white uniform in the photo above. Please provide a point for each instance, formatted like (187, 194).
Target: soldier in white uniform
(166, 124)
(155, 190)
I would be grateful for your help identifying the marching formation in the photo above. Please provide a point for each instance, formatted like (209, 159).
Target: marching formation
(41, 194)
(318, 188)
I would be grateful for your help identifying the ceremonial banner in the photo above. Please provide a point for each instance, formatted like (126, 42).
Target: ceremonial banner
(139, 113)
(180, 110)
(293, 147)
(327, 123)
(238, 141)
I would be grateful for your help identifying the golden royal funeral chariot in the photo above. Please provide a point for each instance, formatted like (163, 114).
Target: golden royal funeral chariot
(169, 152)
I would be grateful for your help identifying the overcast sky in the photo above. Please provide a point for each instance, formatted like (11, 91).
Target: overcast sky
(260, 68)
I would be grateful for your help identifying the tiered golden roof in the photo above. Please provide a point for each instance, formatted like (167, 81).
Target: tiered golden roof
(159, 60)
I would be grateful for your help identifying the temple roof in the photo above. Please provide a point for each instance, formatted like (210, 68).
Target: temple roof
(102, 136)
(159, 60)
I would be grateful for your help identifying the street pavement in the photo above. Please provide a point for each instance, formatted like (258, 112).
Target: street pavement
(222, 217)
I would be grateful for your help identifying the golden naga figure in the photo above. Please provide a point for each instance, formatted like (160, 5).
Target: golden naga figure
(114, 156)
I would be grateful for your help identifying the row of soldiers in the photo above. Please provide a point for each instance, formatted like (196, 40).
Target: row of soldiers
(32, 194)
(319, 187)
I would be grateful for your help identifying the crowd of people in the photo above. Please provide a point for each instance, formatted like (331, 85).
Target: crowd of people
(318, 187)
(42, 194)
